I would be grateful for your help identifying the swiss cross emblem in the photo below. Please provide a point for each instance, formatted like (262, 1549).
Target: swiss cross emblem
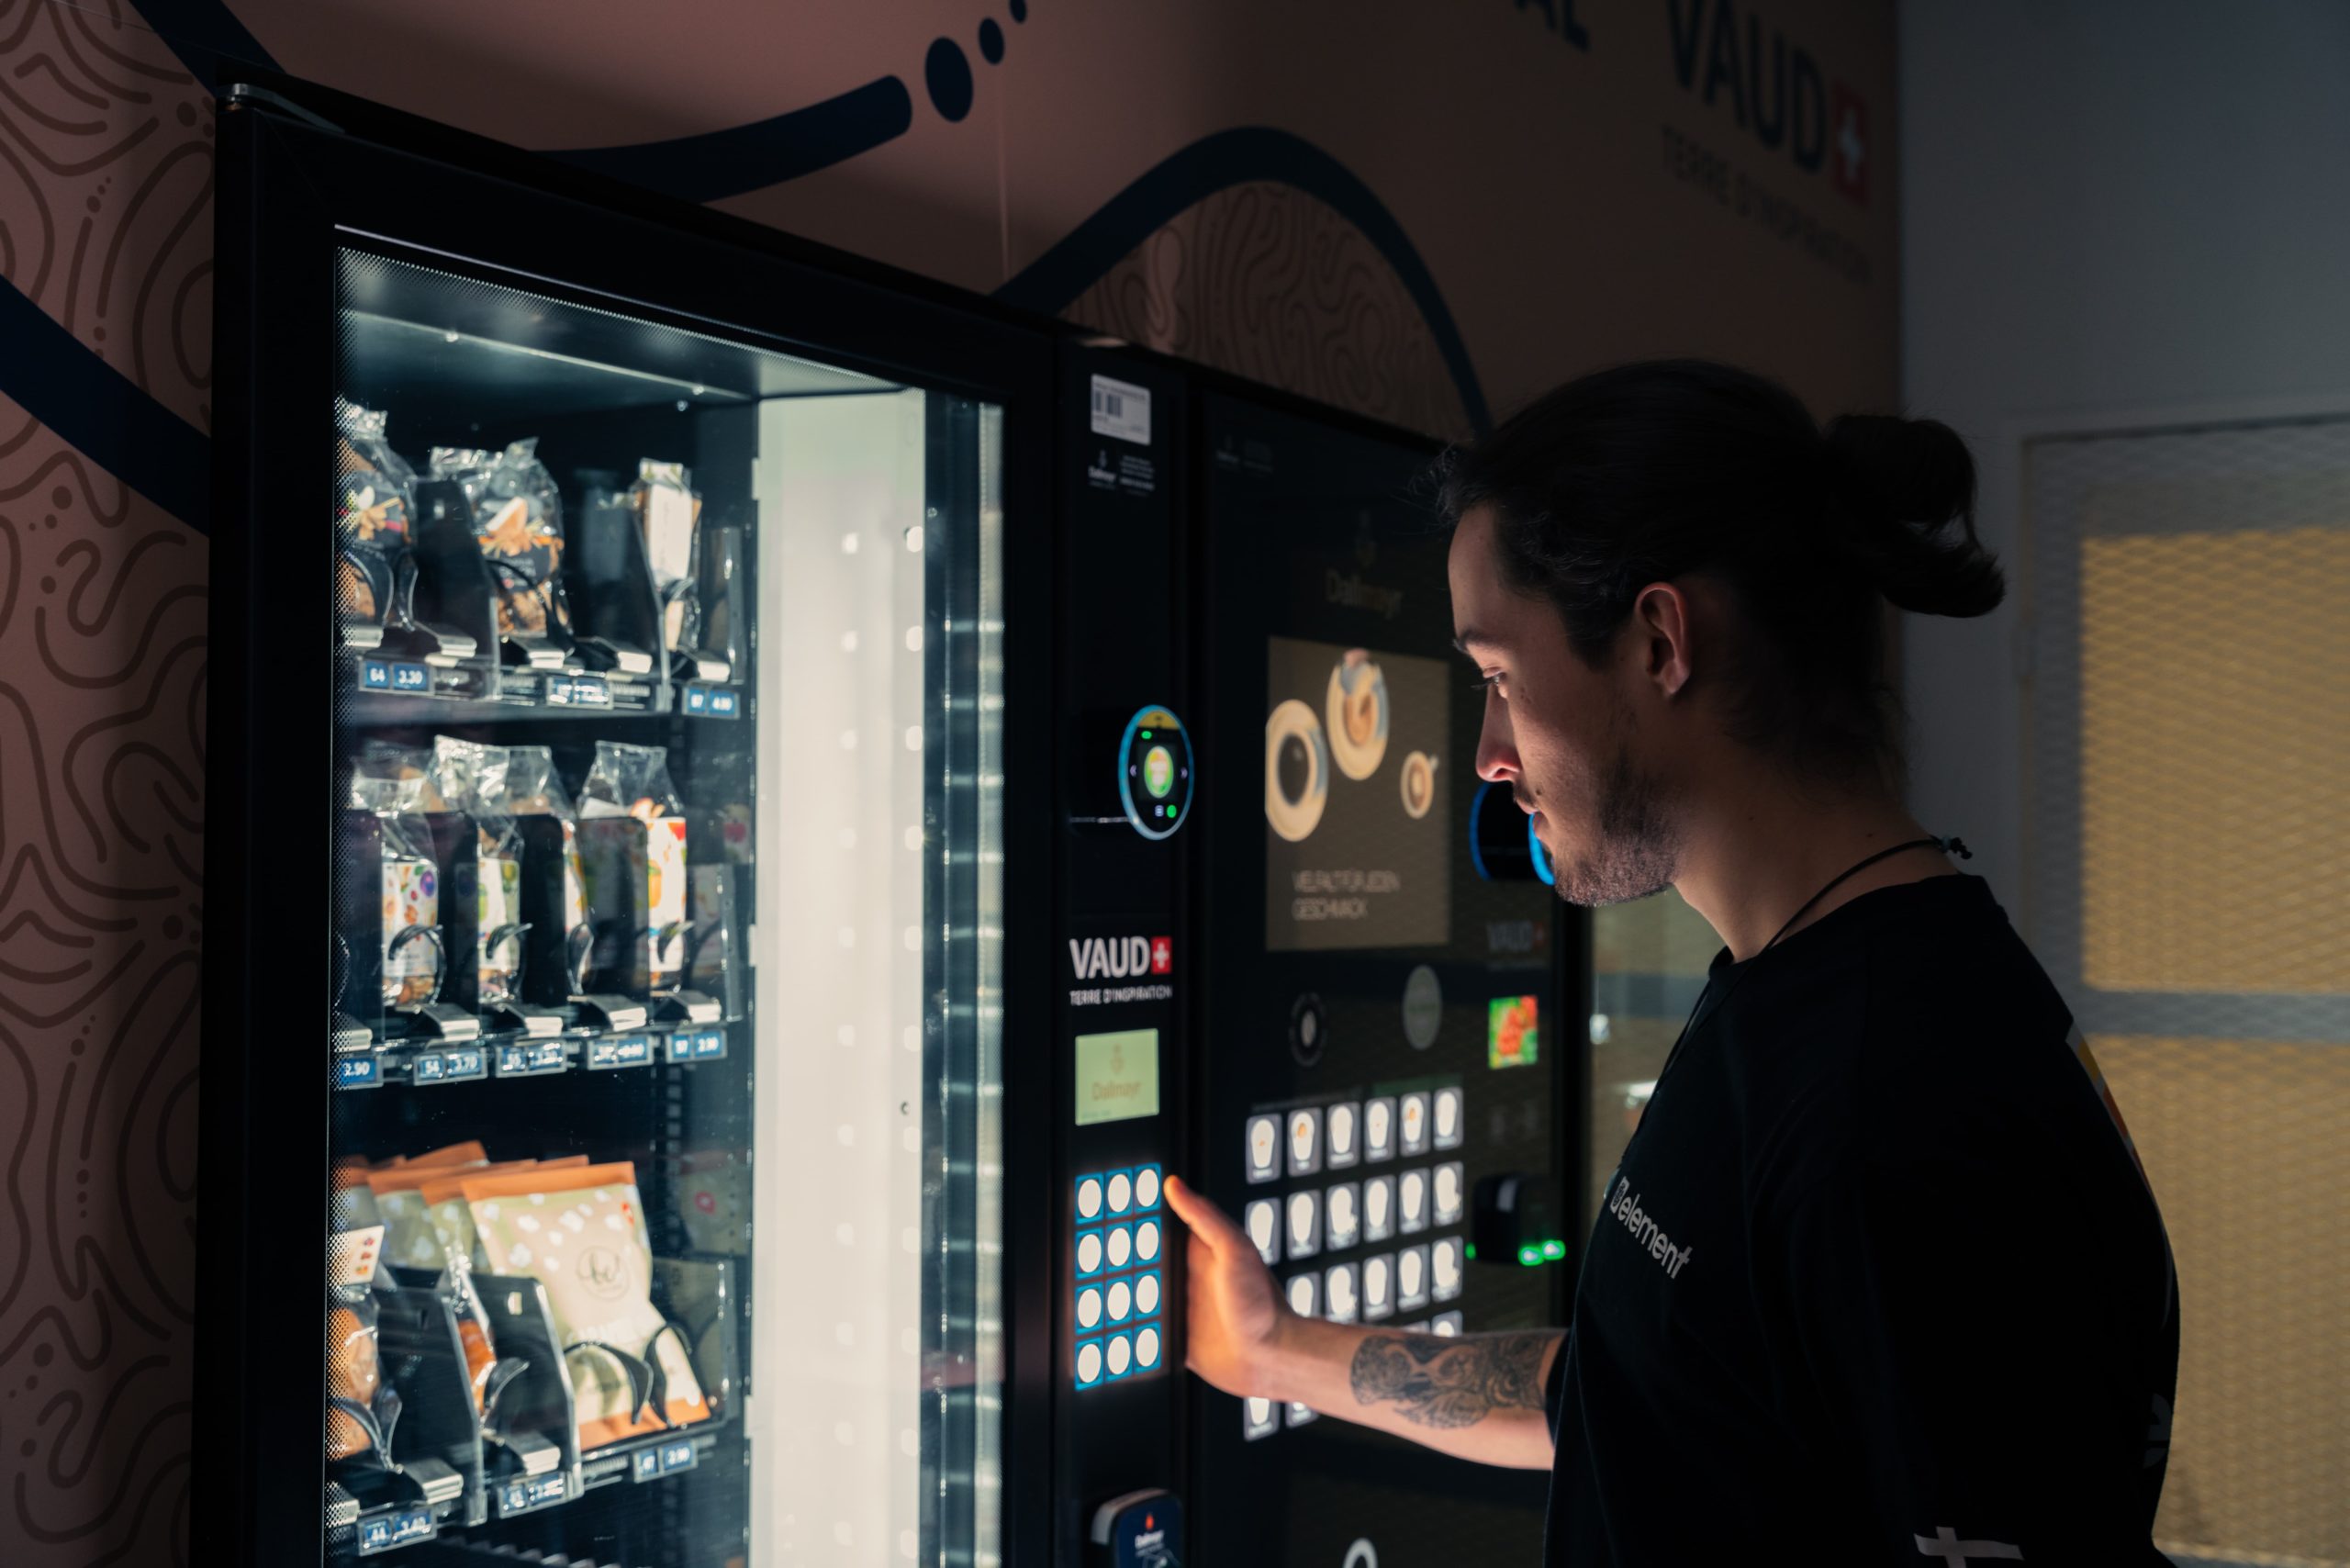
(1162, 956)
(1848, 143)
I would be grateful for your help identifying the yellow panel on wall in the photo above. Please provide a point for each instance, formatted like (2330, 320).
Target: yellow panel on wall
(2244, 1143)
(2215, 761)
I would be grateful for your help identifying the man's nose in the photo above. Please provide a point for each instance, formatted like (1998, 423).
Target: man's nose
(1496, 751)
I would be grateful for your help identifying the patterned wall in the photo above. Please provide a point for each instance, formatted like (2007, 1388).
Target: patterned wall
(106, 225)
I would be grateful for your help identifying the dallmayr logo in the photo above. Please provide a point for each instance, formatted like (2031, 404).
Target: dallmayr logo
(1774, 89)
(1116, 957)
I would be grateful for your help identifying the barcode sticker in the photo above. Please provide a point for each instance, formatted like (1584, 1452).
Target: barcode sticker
(1122, 409)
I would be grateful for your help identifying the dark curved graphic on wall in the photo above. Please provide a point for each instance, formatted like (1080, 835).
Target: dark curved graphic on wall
(104, 415)
(1216, 163)
(719, 163)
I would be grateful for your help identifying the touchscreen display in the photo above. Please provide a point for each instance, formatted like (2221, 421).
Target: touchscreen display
(1357, 827)
(1117, 1076)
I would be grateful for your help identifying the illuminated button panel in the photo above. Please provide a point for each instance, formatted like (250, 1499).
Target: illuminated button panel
(1360, 1208)
(1117, 1316)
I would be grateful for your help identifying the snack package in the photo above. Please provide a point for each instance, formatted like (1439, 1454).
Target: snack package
(374, 496)
(634, 782)
(533, 787)
(471, 778)
(582, 1234)
(392, 784)
(667, 508)
(518, 523)
(361, 1406)
(444, 1192)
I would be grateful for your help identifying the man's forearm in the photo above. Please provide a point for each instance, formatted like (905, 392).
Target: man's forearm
(1478, 1396)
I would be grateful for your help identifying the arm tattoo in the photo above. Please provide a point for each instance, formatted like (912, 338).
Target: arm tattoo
(1436, 1382)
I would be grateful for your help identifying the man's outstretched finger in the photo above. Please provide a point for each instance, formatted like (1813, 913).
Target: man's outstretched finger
(1205, 1220)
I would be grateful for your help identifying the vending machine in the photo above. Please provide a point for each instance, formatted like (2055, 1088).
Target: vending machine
(801, 798)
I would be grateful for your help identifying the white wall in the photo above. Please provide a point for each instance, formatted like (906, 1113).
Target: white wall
(2108, 206)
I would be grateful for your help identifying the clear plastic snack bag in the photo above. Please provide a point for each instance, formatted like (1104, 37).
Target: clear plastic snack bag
(518, 523)
(471, 778)
(634, 782)
(395, 786)
(361, 1406)
(667, 509)
(534, 789)
(374, 499)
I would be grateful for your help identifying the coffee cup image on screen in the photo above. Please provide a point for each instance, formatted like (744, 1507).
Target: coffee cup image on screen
(1297, 771)
(1357, 853)
(1355, 708)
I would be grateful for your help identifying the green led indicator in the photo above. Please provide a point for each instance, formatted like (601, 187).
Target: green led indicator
(1146, 734)
(1472, 1250)
(1530, 1255)
(1554, 1250)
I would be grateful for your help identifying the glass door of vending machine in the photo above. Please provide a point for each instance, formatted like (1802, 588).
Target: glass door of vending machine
(626, 767)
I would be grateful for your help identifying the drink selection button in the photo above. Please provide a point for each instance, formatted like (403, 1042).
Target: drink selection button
(1451, 1192)
(1378, 1129)
(1447, 1112)
(1147, 1241)
(1378, 1287)
(1089, 1198)
(1147, 1187)
(1119, 1191)
(1344, 1131)
(1089, 1252)
(1120, 1298)
(1412, 1278)
(1304, 1224)
(1302, 1290)
(1264, 1146)
(1449, 1325)
(1412, 1116)
(1145, 1348)
(1118, 1245)
(1377, 1208)
(1342, 1213)
(1412, 1201)
(1089, 1362)
(1262, 1220)
(1118, 1351)
(1146, 1294)
(1088, 1308)
(1259, 1419)
(1305, 1141)
(1444, 1268)
(1341, 1296)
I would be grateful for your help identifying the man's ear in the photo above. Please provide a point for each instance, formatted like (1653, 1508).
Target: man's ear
(1663, 623)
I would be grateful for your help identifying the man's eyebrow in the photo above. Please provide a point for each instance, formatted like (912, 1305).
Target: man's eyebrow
(1471, 634)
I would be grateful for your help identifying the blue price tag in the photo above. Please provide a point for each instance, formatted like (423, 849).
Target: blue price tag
(411, 678)
(537, 1491)
(430, 1068)
(466, 1061)
(590, 691)
(645, 1464)
(403, 1529)
(697, 698)
(710, 1044)
(558, 692)
(358, 1073)
(620, 1050)
(679, 1455)
(376, 675)
(530, 1061)
(724, 704)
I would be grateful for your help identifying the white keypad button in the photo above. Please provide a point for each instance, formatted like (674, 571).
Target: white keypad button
(1147, 1241)
(1259, 1419)
(1412, 1116)
(1451, 1185)
(1121, 1301)
(1146, 1296)
(1342, 1217)
(1448, 1324)
(1444, 1268)
(1262, 1220)
(1089, 1307)
(1448, 1114)
(1304, 1224)
(1411, 1202)
(1299, 1415)
(1302, 1292)
(1145, 1349)
(1378, 1129)
(1341, 1299)
(1089, 1198)
(1304, 1142)
(1264, 1147)
(1378, 1287)
(1412, 1278)
(1122, 1355)
(1089, 1252)
(1122, 1192)
(1341, 1131)
(1120, 1245)
(1147, 1187)
(1377, 1208)
(1089, 1362)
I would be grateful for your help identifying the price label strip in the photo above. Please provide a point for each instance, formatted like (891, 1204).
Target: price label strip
(697, 1045)
(529, 1494)
(457, 1065)
(619, 1050)
(359, 1072)
(404, 1528)
(531, 1058)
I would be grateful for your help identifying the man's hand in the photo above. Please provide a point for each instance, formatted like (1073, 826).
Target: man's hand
(1478, 1396)
(1235, 1312)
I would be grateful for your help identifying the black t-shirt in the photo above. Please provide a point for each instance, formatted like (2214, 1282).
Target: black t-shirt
(1879, 1279)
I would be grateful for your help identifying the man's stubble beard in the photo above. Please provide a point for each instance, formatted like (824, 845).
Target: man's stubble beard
(1638, 846)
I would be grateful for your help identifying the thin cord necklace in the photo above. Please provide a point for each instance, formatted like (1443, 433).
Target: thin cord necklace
(1951, 845)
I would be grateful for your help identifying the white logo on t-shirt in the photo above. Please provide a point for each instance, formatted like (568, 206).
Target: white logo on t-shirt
(1626, 1206)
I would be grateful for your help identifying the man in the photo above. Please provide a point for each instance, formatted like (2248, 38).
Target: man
(1879, 1279)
